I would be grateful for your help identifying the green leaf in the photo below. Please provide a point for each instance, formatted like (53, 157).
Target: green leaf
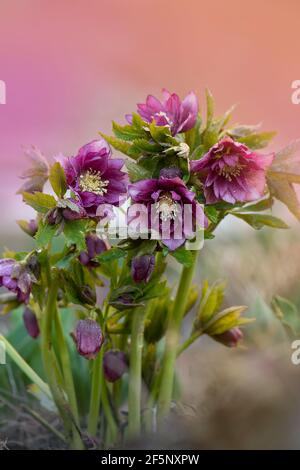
(243, 130)
(261, 205)
(286, 164)
(137, 172)
(117, 144)
(211, 302)
(39, 201)
(221, 122)
(161, 134)
(212, 213)
(45, 234)
(183, 256)
(285, 192)
(192, 137)
(227, 319)
(287, 313)
(210, 105)
(110, 255)
(75, 231)
(57, 179)
(138, 122)
(128, 132)
(142, 146)
(257, 221)
(258, 140)
(67, 203)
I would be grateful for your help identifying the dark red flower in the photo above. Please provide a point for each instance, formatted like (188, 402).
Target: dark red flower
(88, 338)
(114, 365)
(31, 323)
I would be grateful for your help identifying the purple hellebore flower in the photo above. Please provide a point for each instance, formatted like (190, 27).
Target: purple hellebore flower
(168, 201)
(96, 177)
(94, 246)
(31, 323)
(88, 338)
(171, 111)
(15, 278)
(231, 172)
(230, 338)
(142, 267)
(114, 365)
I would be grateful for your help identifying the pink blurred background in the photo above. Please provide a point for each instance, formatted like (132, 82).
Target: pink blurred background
(71, 66)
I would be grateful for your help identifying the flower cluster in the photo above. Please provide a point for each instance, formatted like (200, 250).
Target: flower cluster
(180, 176)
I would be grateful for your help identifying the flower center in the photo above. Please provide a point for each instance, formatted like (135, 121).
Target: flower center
(91, 181)
(230, 172)
(166, 207)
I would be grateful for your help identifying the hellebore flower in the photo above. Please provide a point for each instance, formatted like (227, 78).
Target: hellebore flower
(15, 278)
(96, 177)
(230, 338)
(142, 267)
(88, 338)
(37, 174)
(114, 365)
(179, 115)
(31, 323)
(167, 201)
(231, 172)
(94, 246)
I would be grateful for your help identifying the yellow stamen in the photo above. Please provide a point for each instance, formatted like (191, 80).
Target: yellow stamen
(91, 181)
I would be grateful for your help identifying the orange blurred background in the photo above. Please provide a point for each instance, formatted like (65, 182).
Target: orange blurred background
(71, 66)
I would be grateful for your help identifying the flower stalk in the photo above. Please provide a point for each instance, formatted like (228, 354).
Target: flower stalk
(135, 374)
(172, 338)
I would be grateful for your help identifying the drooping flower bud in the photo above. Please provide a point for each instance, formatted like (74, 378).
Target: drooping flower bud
(88, 294)
(230, 338)
(31, 323)
(171, 172)
(16, 278)
(54, 217)
(30, 227)
(94, 246)
(88, 338)
(114, 365)
(142, 267)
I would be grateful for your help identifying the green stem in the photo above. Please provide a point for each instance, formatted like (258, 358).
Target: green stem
(112, 426)
(19, 361)
(49, 359)
(172, 338)
(68, 379)
(135, 374)
(188, 342)
(97, 378)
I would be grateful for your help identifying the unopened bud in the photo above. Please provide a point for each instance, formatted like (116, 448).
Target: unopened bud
(142, 267)
(31, 323)
(114, 365)
(230, 338)
(88, 338)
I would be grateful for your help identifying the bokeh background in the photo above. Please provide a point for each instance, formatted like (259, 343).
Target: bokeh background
(71, 66)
